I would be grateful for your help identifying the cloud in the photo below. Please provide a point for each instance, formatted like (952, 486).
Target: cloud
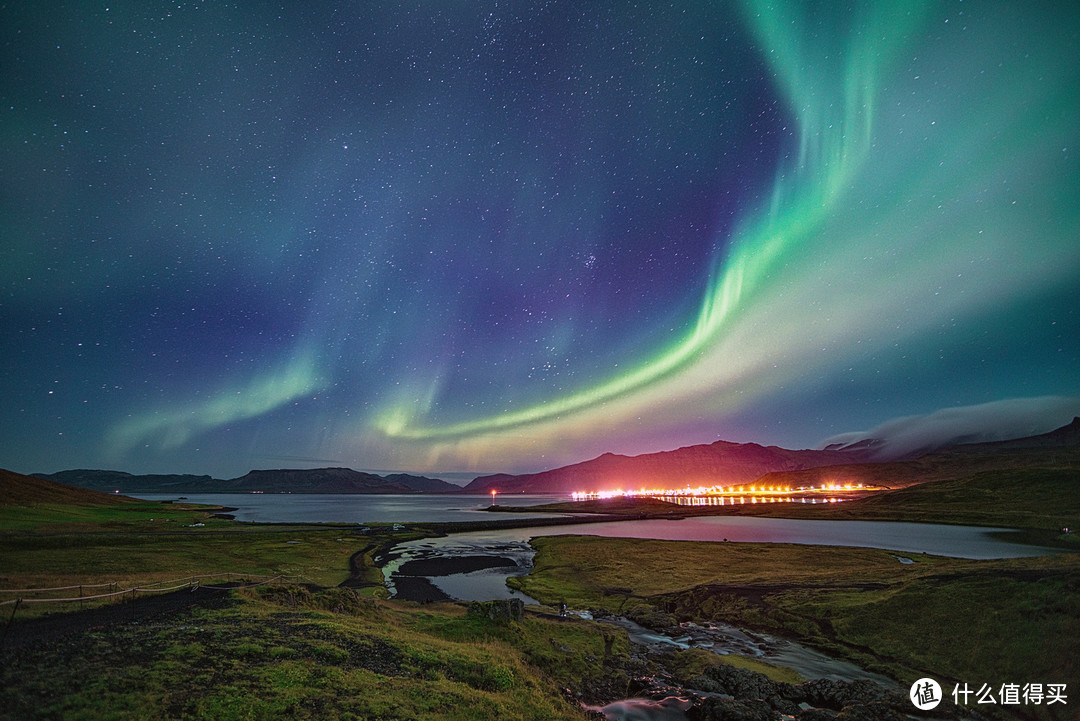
(995, 421)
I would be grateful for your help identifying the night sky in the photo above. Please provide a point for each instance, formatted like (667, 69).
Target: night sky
(472, 236)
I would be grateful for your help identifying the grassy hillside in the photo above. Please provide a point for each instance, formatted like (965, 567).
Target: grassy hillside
(945, 465)
(19, 490)
(288, 652)
(995, 621)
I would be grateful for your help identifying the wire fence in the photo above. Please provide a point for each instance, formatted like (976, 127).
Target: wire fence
(129, 595)
(26, 594)
(117, 593)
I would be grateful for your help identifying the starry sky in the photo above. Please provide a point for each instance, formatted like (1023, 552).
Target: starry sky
(464, 236)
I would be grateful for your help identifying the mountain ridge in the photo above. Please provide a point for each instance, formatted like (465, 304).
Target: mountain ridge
(721, 463)
(279, 480)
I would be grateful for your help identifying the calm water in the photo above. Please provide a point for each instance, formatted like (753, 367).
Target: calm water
(932, 538)
(356, 508)
(910, 538)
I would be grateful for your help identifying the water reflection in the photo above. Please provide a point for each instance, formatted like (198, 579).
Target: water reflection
(671, 708)
(363, 508)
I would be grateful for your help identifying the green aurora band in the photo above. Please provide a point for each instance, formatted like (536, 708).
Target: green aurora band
(832, 92)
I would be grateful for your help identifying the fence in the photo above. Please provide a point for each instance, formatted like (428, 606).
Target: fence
(149, 588)
(126, 594)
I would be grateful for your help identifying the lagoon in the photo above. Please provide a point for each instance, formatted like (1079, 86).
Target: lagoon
(513, 544)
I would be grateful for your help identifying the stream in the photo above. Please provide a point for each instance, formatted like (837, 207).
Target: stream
(475, 566)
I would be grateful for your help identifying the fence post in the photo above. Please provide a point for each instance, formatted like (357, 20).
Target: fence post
(11, 619)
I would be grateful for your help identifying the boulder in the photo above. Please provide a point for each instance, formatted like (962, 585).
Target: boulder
(499, 611)
(719, 708)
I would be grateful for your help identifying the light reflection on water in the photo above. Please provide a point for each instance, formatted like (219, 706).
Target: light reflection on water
(363, 508)
(671, 708)
(930, 538)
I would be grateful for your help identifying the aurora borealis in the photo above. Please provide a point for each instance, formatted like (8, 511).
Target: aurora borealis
(463, 237)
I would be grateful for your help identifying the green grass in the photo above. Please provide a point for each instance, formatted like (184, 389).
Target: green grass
(994, 621)
(137, 557)
(692, 662)
(279, 653)
(134, 542)
(147, 516)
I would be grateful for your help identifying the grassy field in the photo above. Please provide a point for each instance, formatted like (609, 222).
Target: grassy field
(286, 652)
(144, 543)
(999, 621)
(314, 651)
(319, 651)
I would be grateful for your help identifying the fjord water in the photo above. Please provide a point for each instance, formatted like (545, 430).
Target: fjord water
(359, 508)
(931, 538)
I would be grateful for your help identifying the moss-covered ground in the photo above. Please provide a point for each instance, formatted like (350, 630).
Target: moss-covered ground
(291, 653)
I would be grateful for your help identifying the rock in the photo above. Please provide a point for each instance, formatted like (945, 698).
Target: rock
(728, 709)
(872, 711)
(816, 714)
(740, 683)
(783, 705)
(838, 694)
(653, 619)
(819, 700)
(860, 700)
(499, 611)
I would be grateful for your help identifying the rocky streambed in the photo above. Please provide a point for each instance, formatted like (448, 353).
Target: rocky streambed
(835, 689)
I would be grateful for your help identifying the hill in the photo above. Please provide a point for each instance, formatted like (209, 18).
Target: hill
(285, 480)
(19, 490)
(1058, 449)
(715, 464)
(732, 464)
(333, 480)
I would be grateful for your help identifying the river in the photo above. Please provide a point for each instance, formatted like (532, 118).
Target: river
(513, 545)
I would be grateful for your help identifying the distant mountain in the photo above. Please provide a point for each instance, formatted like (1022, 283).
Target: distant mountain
(734, 464)
(423, 484)
(715, 464)
(313, 480)
(1058, 449)
(1064, 437)
(941, 439)
(336, 480)
(113, 481)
